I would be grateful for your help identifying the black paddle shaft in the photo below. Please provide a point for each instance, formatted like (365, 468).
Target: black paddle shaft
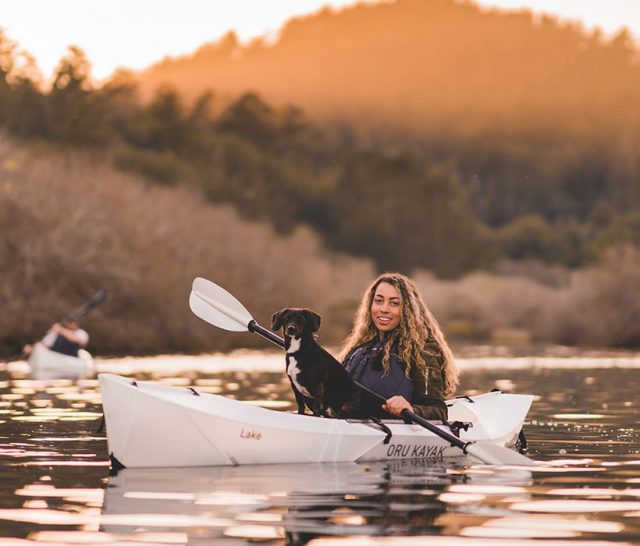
(97, 299)
(253, 326)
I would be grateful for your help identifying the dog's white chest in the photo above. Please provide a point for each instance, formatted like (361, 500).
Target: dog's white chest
(293, 370)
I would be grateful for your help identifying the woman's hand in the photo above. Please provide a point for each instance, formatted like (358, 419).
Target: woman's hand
(396, 405)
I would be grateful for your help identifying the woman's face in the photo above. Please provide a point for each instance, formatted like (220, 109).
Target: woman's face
(386, 307)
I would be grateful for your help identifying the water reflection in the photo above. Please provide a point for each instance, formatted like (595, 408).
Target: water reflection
(56, 488)
(299, 502)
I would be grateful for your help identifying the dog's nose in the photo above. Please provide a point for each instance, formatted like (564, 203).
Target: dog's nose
(291, 329)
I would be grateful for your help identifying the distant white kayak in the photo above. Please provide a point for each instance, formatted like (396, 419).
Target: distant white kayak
(154, 425)
(48, 364)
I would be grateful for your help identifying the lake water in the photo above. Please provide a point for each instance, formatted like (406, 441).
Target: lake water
(55, 486)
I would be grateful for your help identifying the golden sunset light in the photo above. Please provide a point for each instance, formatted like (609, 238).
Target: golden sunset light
(134, 35)
(121, 33)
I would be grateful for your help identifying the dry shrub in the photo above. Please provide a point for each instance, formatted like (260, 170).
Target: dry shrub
(598, 306)
(481, 303)
(71, 224)
(554, 275)
(605, 301)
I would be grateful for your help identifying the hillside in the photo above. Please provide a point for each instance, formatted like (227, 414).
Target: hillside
(434, 66)
(71, 224)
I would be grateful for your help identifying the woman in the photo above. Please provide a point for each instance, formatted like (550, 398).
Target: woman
(396, 348)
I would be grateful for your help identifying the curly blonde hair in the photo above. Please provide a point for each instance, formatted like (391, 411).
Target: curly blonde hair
(417, 326)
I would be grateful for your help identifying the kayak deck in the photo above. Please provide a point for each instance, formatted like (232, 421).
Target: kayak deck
(154, 425)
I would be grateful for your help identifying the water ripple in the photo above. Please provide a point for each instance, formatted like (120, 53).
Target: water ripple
(56, 489)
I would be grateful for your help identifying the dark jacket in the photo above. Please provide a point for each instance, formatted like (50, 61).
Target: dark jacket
(65, 346)
(426, 395)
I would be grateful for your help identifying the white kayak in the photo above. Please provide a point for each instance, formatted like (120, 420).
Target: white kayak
(154, 425)
(48, 364)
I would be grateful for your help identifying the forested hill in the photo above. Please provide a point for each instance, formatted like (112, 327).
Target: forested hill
(430, 65)
(533, 121)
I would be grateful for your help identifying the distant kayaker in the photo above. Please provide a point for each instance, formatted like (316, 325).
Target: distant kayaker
(397, 349)
(65, 337)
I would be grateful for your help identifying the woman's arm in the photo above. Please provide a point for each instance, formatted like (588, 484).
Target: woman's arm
(428, 406)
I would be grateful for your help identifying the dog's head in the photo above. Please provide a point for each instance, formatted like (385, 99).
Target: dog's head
(296, 322)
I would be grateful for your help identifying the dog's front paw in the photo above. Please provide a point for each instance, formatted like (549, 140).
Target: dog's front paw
(330, 413)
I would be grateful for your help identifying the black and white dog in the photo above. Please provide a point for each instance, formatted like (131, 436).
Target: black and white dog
(317, 378)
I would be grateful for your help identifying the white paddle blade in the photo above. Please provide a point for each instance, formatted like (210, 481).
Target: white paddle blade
(499, 455)
(215, 305)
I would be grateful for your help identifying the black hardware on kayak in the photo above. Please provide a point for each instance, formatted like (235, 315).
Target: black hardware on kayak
(253, 326)
(116, 465)
(457, 426)
(466, 397)
(384, 429)
(376, 423)
(134, 383)
(453, 440)
(101, 425)
(195, 392)
(522, 441)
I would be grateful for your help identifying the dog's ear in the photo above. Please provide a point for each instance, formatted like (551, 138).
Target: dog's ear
(276, 320)
(313, 319)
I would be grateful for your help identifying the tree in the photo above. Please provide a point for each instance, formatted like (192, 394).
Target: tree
(21, 102)
(76, 115)
(7, 63)
(528, 237)
(251, 118)
(403, 214)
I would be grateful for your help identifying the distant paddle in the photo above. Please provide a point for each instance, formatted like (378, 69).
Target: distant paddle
(96, 300)
(215, 305)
